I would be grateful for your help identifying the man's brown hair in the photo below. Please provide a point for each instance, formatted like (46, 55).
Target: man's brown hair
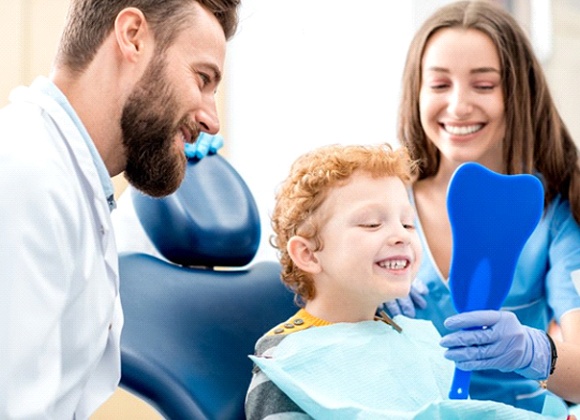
(90, 21)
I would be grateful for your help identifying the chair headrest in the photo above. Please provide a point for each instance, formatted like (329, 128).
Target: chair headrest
(211, 220)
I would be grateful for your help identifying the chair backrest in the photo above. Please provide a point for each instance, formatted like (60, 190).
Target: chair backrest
(189, 330)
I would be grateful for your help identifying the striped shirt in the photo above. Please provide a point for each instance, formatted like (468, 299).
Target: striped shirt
(264, 399)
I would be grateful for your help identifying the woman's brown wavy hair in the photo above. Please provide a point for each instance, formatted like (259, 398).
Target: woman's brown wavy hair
(536, 139)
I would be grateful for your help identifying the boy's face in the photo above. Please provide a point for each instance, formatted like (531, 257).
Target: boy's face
(371, 250)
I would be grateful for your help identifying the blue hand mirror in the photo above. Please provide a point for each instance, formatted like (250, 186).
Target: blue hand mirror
(492, 217)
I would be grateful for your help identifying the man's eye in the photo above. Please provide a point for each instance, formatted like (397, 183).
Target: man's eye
(205, 78)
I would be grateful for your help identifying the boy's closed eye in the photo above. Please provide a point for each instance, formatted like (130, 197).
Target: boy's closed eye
(370, 225)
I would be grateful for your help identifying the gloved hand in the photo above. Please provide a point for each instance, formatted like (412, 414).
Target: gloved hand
(406, 306)
(497, 340)
(206, 144)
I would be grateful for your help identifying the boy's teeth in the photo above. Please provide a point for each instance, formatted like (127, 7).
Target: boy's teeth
(463, 130)
(394, 264)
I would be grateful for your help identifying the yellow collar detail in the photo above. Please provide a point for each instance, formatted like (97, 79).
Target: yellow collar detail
(300, 321)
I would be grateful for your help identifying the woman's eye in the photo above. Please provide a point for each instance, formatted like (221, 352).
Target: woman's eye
(439, 86)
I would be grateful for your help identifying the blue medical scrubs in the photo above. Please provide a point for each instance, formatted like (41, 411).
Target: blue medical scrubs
(542, 290)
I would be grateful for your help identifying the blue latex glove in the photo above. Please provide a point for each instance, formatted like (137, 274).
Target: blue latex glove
(497, 340)
(406, 306)
(206, 144)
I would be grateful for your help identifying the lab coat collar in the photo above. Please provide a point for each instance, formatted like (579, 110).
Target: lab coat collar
(47, 87)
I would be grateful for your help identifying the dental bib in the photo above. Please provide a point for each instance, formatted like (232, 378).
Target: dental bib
(367, 370)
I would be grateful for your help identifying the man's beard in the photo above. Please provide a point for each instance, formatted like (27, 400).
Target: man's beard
(155, 165)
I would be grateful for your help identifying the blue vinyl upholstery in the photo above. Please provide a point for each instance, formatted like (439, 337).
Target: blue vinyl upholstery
(190, 326)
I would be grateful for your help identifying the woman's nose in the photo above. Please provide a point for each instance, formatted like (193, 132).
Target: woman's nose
(459, 103)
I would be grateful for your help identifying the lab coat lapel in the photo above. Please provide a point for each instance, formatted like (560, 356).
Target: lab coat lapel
(86, 171)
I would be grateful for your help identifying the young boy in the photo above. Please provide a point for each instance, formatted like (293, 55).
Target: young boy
(344, 230)
(345, 235)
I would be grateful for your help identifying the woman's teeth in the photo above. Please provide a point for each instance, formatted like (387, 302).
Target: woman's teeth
(462, 130)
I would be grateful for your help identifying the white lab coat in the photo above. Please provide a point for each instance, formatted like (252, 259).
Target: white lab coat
(60, 313)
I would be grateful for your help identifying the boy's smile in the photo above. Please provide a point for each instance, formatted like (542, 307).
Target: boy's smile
(371, 251)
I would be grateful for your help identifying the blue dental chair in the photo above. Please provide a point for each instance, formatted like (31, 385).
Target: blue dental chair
(193, 316)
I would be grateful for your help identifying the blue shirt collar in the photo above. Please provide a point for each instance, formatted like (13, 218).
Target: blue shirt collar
(49, 88)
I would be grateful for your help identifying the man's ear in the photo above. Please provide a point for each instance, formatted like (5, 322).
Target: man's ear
(132, 33)
(301, 252)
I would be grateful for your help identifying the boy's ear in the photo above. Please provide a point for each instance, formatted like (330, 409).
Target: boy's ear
(301, 252)
(131, 32)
